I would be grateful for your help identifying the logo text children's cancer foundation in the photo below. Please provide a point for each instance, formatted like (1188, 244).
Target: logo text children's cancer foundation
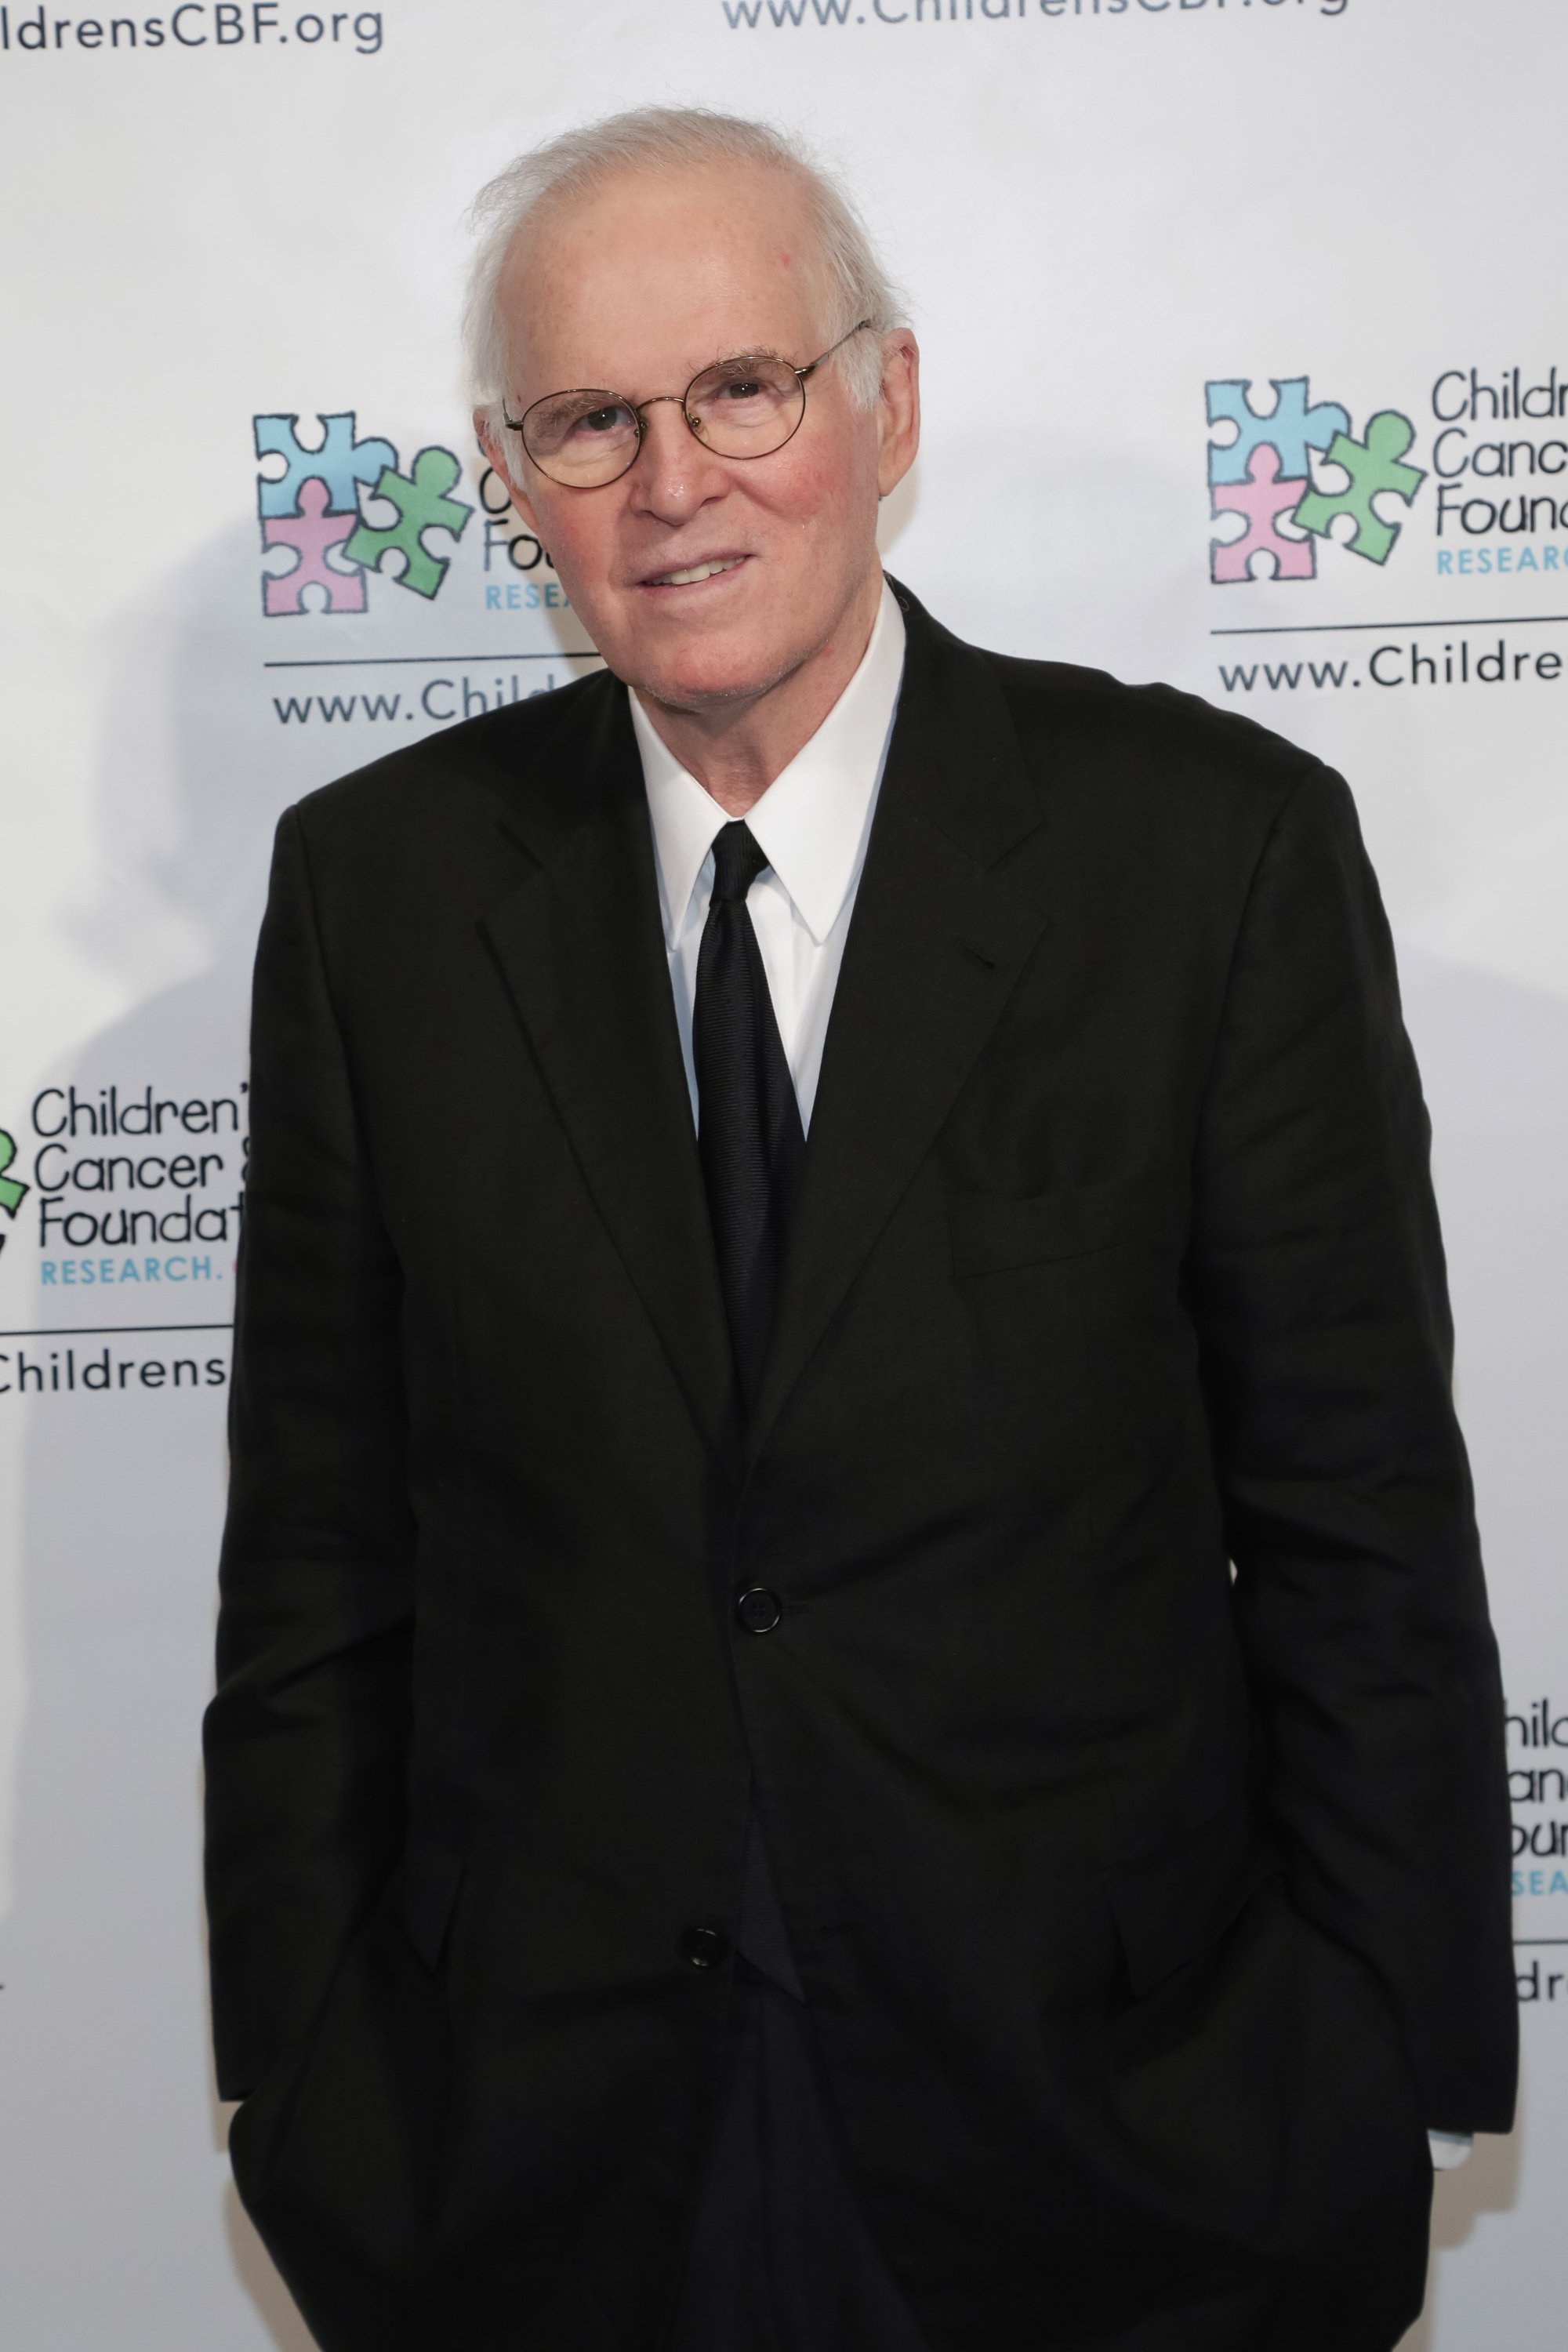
(1500, 457)
(1288, 474)
(124, 1172)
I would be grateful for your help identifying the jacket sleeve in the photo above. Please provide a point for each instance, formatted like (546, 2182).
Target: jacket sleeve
(1319, 1287)
(305, 1739)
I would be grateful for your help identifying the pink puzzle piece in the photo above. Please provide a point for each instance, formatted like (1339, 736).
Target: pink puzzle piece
(1263, 498)
(312, 533)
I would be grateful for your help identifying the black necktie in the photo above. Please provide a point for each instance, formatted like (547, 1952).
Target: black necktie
(749, 1129)
(752, 1145)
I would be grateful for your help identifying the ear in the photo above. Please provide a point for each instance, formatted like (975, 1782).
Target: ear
(502, 458)
(898, 409)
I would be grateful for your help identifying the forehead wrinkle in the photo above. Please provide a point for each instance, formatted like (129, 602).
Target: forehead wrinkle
(554, 251)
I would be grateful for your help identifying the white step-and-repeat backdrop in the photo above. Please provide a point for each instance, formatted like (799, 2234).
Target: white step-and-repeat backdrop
(1278, 285)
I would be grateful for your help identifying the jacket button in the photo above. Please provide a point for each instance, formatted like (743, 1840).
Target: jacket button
(759, 1609)
(704, 1947)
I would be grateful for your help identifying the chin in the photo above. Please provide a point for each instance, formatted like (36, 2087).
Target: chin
(699, 677)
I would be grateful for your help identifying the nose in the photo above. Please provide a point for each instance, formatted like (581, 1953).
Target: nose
(675, 475)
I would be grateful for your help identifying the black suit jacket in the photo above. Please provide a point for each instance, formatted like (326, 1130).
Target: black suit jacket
(1148, 1914)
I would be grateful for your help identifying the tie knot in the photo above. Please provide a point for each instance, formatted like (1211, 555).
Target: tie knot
(737, 861)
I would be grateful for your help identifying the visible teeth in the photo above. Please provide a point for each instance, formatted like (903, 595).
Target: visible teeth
(697, 572)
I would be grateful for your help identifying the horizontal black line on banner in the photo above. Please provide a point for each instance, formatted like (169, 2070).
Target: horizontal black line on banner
(1348, 628)
(1521, 1941)
(108, 1331)
(418, 661)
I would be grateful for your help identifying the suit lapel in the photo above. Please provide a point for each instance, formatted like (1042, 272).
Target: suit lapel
(581, 950)
(936, 943)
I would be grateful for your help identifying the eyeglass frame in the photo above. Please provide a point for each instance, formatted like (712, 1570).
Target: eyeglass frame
(636, 407)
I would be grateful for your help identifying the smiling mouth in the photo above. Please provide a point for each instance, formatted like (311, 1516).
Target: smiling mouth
(693, 572)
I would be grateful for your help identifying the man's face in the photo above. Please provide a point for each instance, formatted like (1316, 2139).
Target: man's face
(634, 288)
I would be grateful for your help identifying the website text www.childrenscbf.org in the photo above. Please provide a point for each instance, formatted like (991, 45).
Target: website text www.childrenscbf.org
(194, 24)
(1448, 661)
(439, 701)
(81, 1369)
(753, 14)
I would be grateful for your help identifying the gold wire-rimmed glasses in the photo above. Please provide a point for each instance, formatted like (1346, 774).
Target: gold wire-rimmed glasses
(745, 407)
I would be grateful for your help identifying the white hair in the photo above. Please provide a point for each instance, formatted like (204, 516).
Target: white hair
(855, 285)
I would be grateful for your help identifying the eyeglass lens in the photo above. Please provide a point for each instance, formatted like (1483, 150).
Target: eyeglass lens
(740, 408)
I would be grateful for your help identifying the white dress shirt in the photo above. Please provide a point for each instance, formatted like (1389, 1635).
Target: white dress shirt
(812, 825)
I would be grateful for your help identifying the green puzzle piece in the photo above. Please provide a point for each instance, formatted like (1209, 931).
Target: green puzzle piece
(1372, 464)
(420, 497)
(11, 1194)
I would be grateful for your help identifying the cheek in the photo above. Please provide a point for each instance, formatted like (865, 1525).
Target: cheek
(819, 492)
(578, 535)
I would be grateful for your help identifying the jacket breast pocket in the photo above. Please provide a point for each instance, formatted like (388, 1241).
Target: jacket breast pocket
(996, 1234)
(1176, 1904)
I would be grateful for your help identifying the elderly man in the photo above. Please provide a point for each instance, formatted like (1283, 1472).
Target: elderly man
(854, 1704)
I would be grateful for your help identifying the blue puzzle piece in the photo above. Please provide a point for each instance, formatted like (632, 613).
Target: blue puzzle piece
(342, 462)
(1292, 428)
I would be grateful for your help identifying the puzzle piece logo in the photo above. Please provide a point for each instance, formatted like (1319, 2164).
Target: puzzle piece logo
(313, 533)
(1374, 466)
(12, 1193)
(1264, 500)
(1263, 471)
(316, 506)
(339, 462)
(422, 502)
(1291, 428)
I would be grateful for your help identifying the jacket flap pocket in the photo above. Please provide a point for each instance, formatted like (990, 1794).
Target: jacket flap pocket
(991, 1232)
(428, 1889)
(1176, 1904)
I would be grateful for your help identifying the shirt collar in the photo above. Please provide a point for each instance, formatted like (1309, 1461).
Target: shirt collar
(810, 824)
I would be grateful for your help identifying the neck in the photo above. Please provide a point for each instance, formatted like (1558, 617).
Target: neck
(735, 749)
